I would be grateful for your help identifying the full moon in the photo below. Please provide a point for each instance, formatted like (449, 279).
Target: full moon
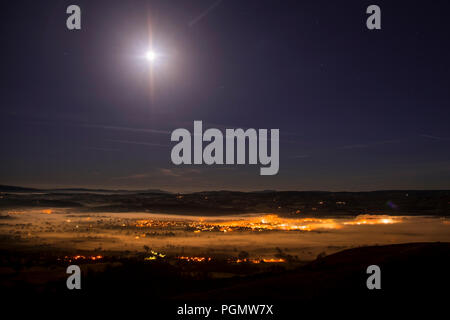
(151, 55)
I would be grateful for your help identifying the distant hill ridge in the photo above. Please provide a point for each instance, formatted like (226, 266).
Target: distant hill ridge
(6, 188)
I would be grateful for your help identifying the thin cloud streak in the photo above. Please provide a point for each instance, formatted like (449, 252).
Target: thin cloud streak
(432, 137)
(102, 149)
(148, 144)
(204, 13)
(128, 129)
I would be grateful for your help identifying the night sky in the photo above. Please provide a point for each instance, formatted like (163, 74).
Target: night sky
(357, 109)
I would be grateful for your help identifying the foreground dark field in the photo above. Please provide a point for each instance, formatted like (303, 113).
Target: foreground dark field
(410, 272)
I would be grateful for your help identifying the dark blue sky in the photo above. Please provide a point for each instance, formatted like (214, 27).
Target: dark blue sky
(356, 109)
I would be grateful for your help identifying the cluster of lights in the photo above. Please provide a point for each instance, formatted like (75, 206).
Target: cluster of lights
(274, 222)
(194, 259)
(271, 260)
(154, 255)
(256, 261)
(267, 222)
(80, 257)
(371, 220)
(157, 224)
